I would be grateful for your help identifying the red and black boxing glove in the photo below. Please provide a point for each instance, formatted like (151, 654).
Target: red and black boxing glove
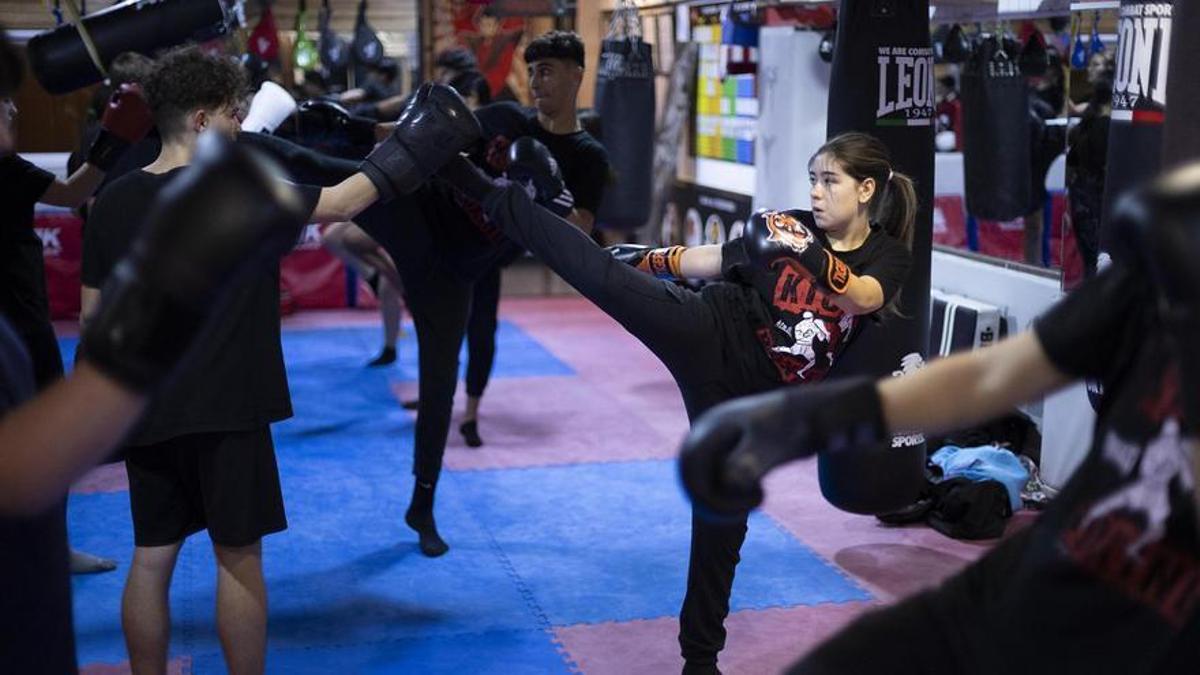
(127, 119)
(773, 235)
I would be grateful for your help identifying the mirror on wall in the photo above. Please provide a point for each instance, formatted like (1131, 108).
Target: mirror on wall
(1013, 98)
(1090, 89)
(998, 85)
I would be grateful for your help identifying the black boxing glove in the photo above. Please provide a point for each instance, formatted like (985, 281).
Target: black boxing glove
(663, 263)
(226, 213)
(126, 120)
(532, 163)
(319, 117)
(1156, 231)
(431, 130)
(771, 236)
(733, 446)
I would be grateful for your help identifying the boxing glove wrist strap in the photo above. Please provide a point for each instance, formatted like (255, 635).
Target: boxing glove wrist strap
(663, 263)
(106, 150)
(831, 273)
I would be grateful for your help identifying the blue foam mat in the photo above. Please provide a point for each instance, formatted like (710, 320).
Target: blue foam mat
(499, 652)
(531, 548)
(517, 354)
(610, 542)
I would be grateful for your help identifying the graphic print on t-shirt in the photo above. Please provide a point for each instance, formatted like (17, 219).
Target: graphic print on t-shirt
(787, 230)
(809, 329)
(495, 162)
(1123, 537)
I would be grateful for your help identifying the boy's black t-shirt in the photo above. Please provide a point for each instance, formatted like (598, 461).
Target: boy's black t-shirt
(797, 326)
(468, 242)
(23, 298)
(36, 632)
(1108, 578)
(235, 379)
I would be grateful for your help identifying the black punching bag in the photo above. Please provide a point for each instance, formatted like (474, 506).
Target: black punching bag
(1181, 133)
(60, 62)
(625, 103)
(882, 84)
(1135, 133)
(997, 164)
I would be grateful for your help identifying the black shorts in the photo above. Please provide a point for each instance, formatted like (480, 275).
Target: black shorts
(225, 482)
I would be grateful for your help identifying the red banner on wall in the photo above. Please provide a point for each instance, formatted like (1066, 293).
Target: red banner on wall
(61, 233)
(310, 277)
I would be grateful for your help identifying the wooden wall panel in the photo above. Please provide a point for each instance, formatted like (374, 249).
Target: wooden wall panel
(48, 123)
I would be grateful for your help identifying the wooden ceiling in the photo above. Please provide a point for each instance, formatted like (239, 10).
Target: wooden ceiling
(384, 15)
(401, 15)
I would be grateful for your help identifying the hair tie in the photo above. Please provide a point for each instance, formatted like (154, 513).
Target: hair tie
(891, 175)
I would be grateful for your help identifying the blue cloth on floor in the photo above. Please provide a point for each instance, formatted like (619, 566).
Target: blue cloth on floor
(985, 462)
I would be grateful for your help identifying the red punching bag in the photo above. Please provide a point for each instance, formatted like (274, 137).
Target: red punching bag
(264, 39)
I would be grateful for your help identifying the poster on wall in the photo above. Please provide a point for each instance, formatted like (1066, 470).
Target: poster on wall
(695, 215)
(726, 85)
(496, 39)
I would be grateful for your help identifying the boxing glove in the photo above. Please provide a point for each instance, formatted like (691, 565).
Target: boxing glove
(321, 117)
(771, 236)
(1034, 59)
(270, 107)
(126, 120)
(226, 213)
(531, 164)
(957, 46)
(431, 130)
(733, 446)
(1156, 231)
(663, 263)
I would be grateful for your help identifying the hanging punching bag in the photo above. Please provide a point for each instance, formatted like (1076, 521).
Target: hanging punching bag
(335, 53)
(1139, 101)
(882, 84)
(625, 103)
(367, 48)
(304, 55)
(264, 39)
(61, 64)
(996, 158)
(1034, 57)
(1181, 134)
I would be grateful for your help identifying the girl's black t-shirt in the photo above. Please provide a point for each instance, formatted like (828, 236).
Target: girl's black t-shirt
(795, 323)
